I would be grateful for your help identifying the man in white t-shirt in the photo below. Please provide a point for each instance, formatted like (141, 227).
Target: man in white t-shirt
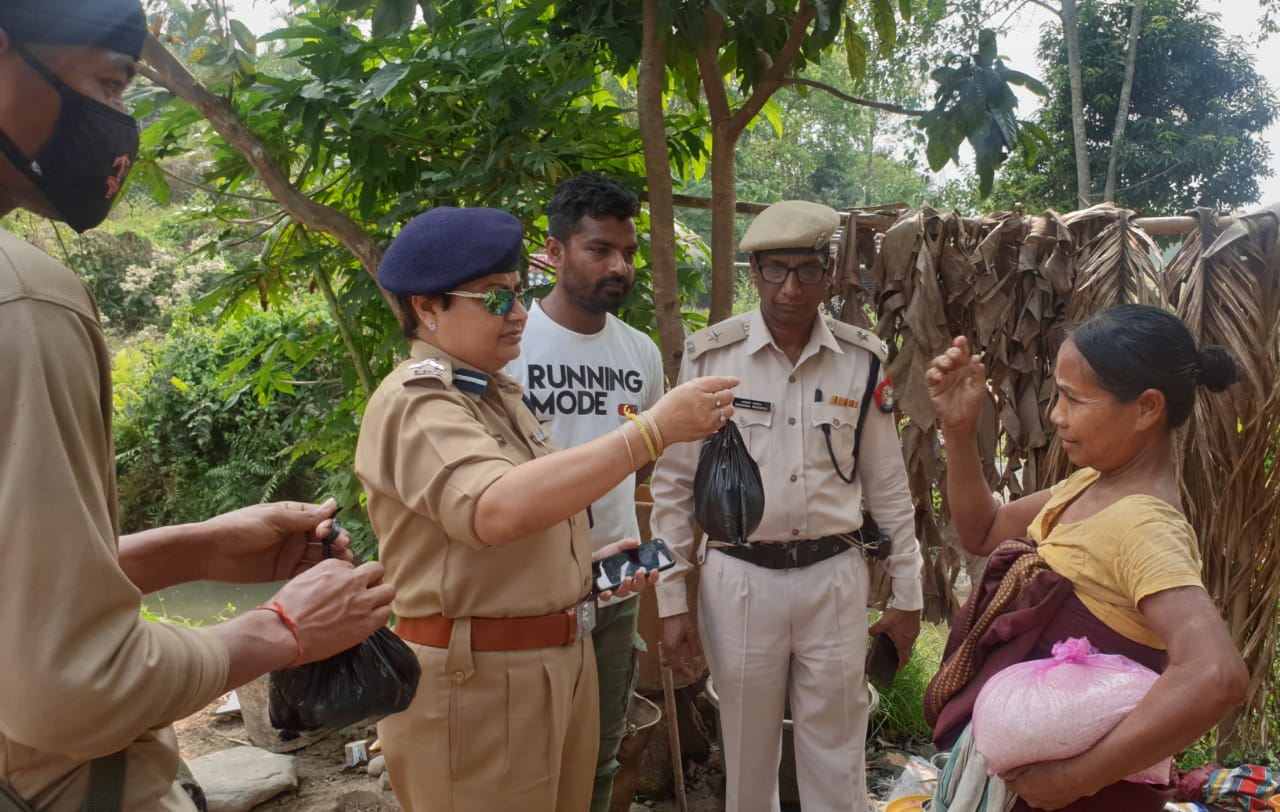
(583, 370)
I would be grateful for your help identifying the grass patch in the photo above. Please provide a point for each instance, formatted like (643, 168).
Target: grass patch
(901, 714)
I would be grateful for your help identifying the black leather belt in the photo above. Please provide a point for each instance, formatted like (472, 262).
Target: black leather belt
(788, 555)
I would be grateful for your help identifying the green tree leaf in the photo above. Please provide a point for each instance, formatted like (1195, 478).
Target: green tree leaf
(855, 50)
(886, 26)
(393, 16)
(244, 37)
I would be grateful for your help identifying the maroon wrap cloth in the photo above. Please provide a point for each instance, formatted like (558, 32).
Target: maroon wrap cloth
(1010, 621)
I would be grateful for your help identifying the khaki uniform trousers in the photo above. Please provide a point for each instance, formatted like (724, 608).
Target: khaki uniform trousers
(800, 634)
(496, 730)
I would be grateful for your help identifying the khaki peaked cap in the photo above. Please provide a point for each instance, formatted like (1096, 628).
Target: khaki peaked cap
(792, 224)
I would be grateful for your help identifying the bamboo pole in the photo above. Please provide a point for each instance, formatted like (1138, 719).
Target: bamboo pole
(673, 729)
(881, 218)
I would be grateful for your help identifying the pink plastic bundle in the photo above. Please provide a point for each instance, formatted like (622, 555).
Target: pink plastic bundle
(1046, 710)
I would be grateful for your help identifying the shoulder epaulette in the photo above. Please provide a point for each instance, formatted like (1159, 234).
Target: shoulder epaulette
(860, 337)
(727, 332)
(434, 370)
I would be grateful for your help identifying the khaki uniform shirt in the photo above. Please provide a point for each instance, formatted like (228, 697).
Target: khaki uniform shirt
(804, 496)
(434, 437)
(81, 674)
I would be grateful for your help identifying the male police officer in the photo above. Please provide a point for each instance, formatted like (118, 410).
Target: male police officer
(584, 370)
(785, 617)
(83, 679)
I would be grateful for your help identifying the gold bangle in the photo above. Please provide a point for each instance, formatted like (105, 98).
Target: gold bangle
(657, 435)
(630, 454)
(644, 432)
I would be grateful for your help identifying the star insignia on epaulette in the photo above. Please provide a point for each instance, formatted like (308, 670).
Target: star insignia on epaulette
(689, 347)
(714, 335)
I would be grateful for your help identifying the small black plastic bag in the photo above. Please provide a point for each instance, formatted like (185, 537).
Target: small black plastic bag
(728, 496)
(375, 678)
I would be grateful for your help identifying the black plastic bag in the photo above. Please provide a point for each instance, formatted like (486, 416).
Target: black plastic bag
(375, 678)
(728, 496)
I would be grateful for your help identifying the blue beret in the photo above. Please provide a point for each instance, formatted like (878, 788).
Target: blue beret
(447, 247)
(115, 24)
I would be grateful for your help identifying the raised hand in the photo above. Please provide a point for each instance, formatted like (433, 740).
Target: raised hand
(957, 386)
(694, 409)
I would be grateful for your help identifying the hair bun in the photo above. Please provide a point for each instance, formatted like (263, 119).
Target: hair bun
(1218, 368)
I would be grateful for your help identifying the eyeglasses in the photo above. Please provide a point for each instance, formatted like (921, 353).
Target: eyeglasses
(498, 301)
(776, 274)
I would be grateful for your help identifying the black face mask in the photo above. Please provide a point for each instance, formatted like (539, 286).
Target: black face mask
(82, 166)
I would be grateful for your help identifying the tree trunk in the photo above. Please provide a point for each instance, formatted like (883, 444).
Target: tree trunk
(1122, 111)
(871, 154)
(164, 69)
(726, 127)
(657, 168)
(724, 196)
(1071, 33)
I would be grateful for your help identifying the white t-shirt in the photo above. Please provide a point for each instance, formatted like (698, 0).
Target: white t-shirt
(580, 387)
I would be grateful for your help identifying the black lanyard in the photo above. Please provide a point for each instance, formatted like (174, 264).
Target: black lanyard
(857, 432)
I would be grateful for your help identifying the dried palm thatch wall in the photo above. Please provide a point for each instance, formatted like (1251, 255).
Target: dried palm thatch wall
(1012, 284)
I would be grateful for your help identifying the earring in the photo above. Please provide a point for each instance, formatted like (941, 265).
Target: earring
(431, 326)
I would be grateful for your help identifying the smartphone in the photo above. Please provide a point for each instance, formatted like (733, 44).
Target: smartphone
(609, 573)
(882, 661)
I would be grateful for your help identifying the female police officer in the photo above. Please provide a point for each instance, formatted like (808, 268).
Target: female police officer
(485, 534)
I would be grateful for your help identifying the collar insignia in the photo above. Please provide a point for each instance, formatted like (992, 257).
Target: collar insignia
(471, 381)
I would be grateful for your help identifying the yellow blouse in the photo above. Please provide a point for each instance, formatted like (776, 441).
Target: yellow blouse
(1136, 547)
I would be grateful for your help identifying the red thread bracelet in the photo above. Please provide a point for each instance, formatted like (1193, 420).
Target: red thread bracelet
(275, 606)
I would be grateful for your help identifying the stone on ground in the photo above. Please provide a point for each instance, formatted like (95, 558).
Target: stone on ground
(240, 778)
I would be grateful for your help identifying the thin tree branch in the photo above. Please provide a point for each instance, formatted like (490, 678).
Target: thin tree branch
(776, 73)
(709, 69)
(1055, 11)
(211, 190)
(840, 94)
(164, 69)
(1122, 107)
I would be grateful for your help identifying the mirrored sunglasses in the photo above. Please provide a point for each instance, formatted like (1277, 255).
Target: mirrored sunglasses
(499, 301)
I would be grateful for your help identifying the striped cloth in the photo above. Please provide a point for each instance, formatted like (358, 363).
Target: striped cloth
(963, 785)
(1241, 789)
(960, 666)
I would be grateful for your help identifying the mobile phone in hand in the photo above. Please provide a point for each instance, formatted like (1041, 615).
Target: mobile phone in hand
(609, 573)
(882, 661)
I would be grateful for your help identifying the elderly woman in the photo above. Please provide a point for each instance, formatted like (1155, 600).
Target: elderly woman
(1113, 557)
(485, 532)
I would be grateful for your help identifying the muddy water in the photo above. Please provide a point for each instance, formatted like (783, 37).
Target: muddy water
(205, 602)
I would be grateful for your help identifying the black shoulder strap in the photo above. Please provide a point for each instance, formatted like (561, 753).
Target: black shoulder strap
(10, 802)
(106, 784)
(106, 788)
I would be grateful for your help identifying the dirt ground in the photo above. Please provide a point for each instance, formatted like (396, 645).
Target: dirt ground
(325, 785)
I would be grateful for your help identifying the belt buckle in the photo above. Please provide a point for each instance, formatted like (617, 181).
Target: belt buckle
(585, 612)
(793, 554)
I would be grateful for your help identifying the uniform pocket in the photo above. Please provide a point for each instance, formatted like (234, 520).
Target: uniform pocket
(757, 431)
(842, 426)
